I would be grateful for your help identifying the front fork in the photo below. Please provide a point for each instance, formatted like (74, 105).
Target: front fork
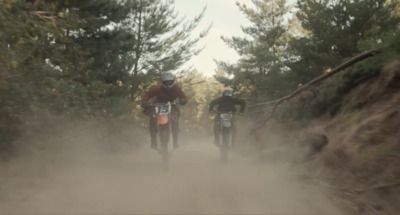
(160, 141)
(227, 132)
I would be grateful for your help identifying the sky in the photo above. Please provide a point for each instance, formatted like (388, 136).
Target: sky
(226, 20)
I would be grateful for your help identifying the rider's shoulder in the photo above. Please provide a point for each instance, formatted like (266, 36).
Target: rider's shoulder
(154, 89)
(177, 87)
(221, 98)
(157, 87)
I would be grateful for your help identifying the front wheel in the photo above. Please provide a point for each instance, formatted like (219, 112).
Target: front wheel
(164, 139)
(226, 139)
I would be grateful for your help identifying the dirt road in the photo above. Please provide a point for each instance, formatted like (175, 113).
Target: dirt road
(134, 183)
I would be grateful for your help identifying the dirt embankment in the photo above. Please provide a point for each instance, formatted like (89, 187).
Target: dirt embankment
(355, 153)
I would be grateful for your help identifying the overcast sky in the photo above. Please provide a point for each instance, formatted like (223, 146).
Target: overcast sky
(226, 19)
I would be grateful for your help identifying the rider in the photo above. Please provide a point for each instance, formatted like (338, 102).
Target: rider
(226, 103)
(164, 92)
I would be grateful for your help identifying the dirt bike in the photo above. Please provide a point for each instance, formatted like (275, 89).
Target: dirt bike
(163, 115)
(225, 134)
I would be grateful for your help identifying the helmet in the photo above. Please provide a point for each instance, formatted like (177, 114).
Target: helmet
(227, 92)
(167, 79)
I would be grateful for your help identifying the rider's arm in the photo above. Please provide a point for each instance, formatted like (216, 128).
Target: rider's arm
(212, 105)
(149, 94)
(242, 104)
(181, 95)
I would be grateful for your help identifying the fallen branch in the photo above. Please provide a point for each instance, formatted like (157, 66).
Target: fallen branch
(259, 110)
(191, 84)
(341, 67)
(264, 103)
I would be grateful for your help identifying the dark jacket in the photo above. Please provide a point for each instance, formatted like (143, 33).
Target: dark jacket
(162, 95)
(227, 104)
(159, 94)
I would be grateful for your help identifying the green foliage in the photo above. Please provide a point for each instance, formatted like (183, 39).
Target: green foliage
(161, 40)
(84, 58)
(276, 56)
(330, 95)
(28, 35)
(327, 101)
(338, 30)
(260, 71)
(200, 90)
(390, 151)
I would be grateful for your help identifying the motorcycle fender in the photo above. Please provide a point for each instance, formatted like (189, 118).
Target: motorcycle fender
(162, 120)
(227, 124)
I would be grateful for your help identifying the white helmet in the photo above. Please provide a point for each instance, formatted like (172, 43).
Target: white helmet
(227, 92)
(167, 79)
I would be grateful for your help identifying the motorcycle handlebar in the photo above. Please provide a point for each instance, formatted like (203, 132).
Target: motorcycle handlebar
(144, 105)
(218, 112)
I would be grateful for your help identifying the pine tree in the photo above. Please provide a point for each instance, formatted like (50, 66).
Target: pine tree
(162, 40)
(262, 50)
(78, 57)
(33, 63)
(337, 30)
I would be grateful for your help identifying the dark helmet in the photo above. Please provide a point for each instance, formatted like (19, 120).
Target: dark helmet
(227, 92)
(167, 79)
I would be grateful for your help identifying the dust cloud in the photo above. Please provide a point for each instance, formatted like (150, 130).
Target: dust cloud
(83, 178)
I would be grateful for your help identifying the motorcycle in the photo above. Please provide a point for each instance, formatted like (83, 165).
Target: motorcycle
(225, 134)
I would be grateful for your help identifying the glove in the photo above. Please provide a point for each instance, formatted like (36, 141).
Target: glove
(144, 104)
(182, 101)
